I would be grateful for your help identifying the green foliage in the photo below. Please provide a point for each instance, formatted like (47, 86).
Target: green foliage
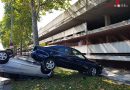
(43, 44)
(20, 11)
(21, 24)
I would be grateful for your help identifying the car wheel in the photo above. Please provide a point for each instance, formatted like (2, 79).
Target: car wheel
(49, 73)
(92, 71)
(4, 57)
(48, 64)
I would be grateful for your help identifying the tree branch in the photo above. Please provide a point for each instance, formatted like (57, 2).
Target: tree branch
(38, 9)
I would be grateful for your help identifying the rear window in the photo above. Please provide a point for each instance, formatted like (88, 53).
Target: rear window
(36, 48)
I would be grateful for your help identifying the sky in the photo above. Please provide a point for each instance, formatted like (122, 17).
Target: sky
(1, 10)
(43, 20)
(50, 16)
(1, 16)
(1, 46)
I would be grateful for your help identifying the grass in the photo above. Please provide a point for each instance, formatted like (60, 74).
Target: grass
(68, 80)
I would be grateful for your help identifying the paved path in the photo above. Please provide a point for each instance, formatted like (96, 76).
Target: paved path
(5, 84)
(119, 75)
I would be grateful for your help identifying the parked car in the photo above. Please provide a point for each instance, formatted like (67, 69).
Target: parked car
(66, 57)
(21, 66)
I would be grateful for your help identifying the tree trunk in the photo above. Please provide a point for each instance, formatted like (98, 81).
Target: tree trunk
(21, 42)
(34, 23)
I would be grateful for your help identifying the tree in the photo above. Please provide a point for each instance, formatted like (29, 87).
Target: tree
(26, 14)
(21, 25)
(44, 6)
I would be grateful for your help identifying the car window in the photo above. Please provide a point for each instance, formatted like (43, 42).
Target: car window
(62, 50)
(58, 50)
(77, 54)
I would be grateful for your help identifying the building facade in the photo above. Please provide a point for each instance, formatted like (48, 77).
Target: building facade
(99, 28)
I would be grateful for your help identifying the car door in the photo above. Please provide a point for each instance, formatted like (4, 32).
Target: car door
(61, 57)
(77, 59)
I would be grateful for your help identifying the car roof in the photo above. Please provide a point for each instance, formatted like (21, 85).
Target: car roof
(52, 46)
(59, 46)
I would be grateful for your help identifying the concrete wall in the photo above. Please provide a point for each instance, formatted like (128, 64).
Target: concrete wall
(82, 27)
(71, 31)
(76, 10)
(115, 47)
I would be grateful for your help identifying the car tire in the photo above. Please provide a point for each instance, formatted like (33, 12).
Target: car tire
(49, 73)
(48, 64)
(92, 71)
(4, 57)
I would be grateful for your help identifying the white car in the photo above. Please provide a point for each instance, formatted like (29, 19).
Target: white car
(25, 66)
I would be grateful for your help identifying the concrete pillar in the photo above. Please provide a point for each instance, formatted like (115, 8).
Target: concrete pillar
(86, 28)
(107, 20)
(74, 34)
(87, 39)
(52, 40)
(65, 36)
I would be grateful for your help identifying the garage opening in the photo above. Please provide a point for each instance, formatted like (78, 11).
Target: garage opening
(98, 23)
(120, 18)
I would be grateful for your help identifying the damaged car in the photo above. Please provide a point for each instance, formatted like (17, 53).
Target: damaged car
(66, 57)
(21, 66)
(43, 60)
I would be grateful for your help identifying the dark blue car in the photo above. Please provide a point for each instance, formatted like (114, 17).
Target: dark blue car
(66, 57)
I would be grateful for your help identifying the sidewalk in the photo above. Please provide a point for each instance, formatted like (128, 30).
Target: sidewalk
(5, 84)
(119, 75)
